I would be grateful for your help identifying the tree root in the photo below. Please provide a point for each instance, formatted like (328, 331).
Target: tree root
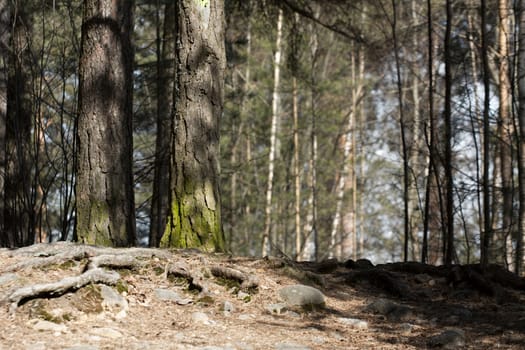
(95, 275)
(247, 280)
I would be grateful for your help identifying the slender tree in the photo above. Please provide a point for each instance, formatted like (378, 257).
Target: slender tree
(266, 242)
(519, 262)
(486, 239)
(194, 213)
(505, 133)
(449, 238)
(166, 75)
(105, 212)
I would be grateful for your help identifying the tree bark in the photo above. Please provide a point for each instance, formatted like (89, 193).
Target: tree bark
(5, 35)
(18, 208)
(519, 263)
(194, 215)
(449, 248)
(166, 75)
(505, 133)
(105, 205)
(486, 238)
(266, 241)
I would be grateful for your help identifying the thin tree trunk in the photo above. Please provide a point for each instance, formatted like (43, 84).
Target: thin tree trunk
(449, 251)
(297, 172)
(404, 150)
(166, 75)
(487, 222)
(194, 213)
(519, 260)
(505, 130)
(105, 203)
(414, 213)
(266, 241)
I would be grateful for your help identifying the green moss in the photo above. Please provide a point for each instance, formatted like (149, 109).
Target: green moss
(158, 270)
(206, 300)
(122, 286)
(90, 299)
(228, 283)
(194, 220)
(38, 310)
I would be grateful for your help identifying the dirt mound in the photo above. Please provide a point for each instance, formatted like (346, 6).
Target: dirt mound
(67, 296)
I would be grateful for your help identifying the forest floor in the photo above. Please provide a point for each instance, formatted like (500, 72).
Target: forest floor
(57, 297)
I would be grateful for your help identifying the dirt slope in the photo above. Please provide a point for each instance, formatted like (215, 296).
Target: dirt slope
(188, 300)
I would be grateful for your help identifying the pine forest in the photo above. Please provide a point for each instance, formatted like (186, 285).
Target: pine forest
(391, 130)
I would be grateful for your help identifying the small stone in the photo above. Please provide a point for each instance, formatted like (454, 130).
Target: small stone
(166, 294)
(291, 346)
(201, 317)
(245, 317)
(276, 309)
(228, 307)
(82, 347)
(353, 322)
(301, 295)
(106, 333)
(7, 277)
(400, 313)
(46, 326)
(243, 296)
(112, 299)
(381, 306)
(449, 339)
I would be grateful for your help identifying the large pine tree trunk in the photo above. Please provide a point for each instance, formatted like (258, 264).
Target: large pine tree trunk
(194, 217)
(4, 59)
(166, 74)
(105, 204)
(18, 208)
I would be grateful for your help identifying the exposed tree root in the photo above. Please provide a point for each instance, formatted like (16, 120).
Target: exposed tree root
(98, 259)
(247, 280)
(54, 289)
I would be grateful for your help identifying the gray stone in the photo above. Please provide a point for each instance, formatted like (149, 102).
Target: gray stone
(291, 346)
(112, 299)
(166, 294)
(169, 295)
(353, 322)
(7, 277)
(449, 339)
(301, 295)
(228, 307)
(36, 346)
(82, 347)
(400, 313)
(104, 332)
(276, 309)
(201, 317)
(381, 306)
(46, 326)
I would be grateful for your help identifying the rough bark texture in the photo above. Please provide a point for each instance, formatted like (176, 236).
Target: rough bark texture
(521, 149)
(4, 58)
(105, 203)
(160, 199)
(18, 208)
(194, 218)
